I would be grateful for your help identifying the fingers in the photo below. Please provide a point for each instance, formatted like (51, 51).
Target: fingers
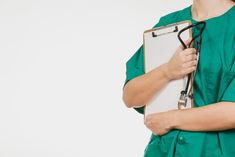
(189, 70)
(190, 57)
(155, 126)
(184, 61)
(189, 51)
(190, 64)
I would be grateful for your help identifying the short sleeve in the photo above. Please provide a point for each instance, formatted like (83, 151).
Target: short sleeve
(135, 65)
(135, 68)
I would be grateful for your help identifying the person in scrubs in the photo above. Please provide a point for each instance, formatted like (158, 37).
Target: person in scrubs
(207, 129)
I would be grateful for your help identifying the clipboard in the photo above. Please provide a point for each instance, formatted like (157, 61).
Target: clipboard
(159, 45)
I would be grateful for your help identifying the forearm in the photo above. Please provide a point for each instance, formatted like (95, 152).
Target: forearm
(138, 91)
(213, 117)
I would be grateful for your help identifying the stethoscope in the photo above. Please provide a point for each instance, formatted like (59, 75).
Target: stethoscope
(187, 93)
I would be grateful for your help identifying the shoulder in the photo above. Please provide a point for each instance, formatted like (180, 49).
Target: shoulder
(231, 16)
(173, 17)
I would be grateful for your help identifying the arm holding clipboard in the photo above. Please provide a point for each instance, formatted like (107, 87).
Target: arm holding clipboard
(159, 47)
(157, 52)
(160, 62)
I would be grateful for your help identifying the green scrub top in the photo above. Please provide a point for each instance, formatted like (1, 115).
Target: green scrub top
(214, 82)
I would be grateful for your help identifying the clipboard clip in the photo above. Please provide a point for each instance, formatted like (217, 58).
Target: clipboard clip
(175, 30)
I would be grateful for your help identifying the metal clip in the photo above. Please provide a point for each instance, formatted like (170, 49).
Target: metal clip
(182, 101)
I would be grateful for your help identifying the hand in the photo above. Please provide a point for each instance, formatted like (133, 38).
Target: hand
(162, 122)
(181, 63)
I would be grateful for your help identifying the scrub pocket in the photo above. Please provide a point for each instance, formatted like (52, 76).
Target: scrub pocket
(216, 84)
(158, 146)
(211, 147)
(212, 80)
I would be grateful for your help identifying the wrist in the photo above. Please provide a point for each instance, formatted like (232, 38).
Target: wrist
(175, 119)
(166, 72)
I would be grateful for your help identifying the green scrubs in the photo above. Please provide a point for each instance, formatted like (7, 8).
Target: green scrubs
(214, 82)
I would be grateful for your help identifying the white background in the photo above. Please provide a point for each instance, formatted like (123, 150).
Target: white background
(62, 68)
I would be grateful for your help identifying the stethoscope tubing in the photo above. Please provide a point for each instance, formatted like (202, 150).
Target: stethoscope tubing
(203, 23)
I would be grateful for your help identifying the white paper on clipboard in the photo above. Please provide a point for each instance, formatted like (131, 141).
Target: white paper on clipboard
(159, 46)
